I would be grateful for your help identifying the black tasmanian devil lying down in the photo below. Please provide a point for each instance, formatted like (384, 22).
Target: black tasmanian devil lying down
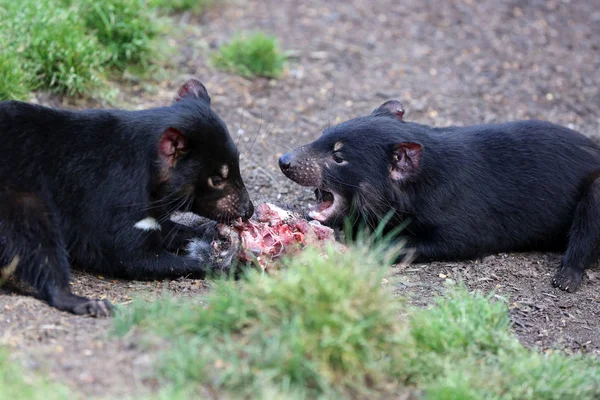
(464, 191)
(95, 188)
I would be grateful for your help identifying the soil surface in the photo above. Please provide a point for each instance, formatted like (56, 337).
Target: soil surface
(460, 62)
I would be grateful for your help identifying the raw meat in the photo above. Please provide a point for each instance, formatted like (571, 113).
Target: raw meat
(271, 233)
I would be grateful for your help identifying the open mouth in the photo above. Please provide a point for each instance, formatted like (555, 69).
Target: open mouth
(327, 206)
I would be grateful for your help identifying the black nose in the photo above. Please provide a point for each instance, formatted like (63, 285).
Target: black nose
(249, 212)
(285, 161)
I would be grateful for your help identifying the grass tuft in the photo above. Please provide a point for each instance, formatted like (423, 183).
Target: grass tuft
(194, 6)
(315, 329)
(16, 82)
(53, 45)
(69, 46)
(249, 56)
(125, 27)
(464, 349)
(463, 322)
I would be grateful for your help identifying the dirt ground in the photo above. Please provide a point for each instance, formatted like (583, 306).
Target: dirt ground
(457, 62)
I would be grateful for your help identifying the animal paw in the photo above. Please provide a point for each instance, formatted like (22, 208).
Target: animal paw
(224, 260)
(208, 231)
(568, 279)
(199, 246)
(179, 236)
(214, 256)
(94, 308)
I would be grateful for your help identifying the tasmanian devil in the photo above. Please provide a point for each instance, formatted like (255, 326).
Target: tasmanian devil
(96, 188)
(462, 191)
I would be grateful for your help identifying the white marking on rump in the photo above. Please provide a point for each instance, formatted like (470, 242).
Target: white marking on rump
(9, 269)
(147, 224)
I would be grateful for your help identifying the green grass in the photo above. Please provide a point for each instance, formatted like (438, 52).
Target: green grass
(326, 328)
(194, 6)
(125, 27)
(53, 46)
(463, 349)
(15, 81)
(313, 330)
(69, 47)
(15, 385)
(249, 56)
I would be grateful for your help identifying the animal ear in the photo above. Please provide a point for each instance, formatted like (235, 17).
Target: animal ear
(172, 145)
(393, 108)
(194, 88)
(406, 158)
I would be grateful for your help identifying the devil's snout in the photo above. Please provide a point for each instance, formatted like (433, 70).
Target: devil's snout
(285, 161)
(301, 167)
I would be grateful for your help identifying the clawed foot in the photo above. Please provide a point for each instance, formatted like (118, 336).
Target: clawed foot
(227, 257)
(217, 249)
(79, 305)
(94, 308)
(568, 279)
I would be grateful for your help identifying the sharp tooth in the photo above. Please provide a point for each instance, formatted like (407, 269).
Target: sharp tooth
(313, 214)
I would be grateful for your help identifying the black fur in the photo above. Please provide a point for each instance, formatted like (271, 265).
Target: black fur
(75, 184)
(464, 191)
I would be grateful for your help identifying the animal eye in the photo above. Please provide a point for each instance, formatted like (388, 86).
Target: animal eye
(337, 158)
(216, 181)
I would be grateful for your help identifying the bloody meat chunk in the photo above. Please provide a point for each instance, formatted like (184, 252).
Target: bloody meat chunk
(271, 233)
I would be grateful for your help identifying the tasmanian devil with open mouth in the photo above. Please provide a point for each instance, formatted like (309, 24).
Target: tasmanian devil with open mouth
(462, 192)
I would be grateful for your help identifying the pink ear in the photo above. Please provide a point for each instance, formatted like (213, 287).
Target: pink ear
(391, 107)
(195, 88)
(171, 146)
(405, 160)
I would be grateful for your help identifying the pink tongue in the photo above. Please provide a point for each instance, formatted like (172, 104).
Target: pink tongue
(323, 206)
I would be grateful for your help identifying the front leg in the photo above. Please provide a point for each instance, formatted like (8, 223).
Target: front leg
(176, 236)
(169, 250)
(200, 261)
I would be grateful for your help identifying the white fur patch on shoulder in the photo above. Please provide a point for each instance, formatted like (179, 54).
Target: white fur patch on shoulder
(147, 224)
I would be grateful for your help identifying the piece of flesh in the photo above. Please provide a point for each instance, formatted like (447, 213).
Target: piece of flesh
(271, 233)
